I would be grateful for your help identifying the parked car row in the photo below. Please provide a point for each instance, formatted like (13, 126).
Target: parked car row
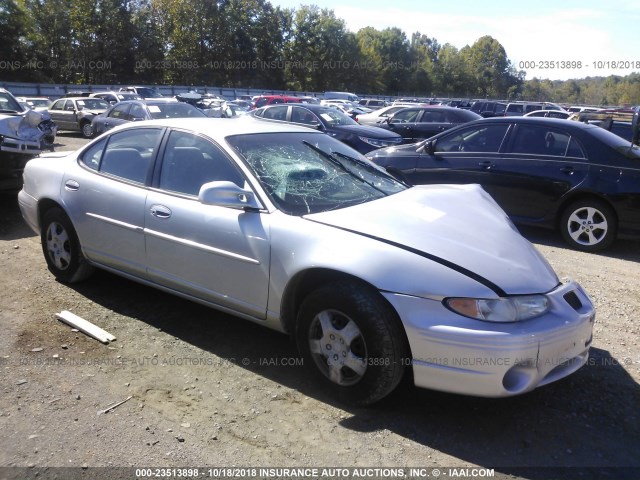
(333, 122)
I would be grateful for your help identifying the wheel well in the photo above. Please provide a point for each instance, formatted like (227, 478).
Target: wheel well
(582, 197)
(307, 281)
(44, 206)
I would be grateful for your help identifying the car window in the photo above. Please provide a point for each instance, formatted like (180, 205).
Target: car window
(433, 116)
(120, 111)
(541, 140)
(483, 138)
(302, 115)
(57, 105)
(515, 108)
(405, 116)
(190, 161)
(93, 104)
(137, 112)
(129, 154)
(174, 110)
(276, 113)
(312, 172)
(91, 157)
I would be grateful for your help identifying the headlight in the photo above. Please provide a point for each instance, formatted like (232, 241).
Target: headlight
(376, 142)
(512, 309)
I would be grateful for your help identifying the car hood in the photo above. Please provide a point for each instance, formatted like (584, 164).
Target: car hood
(24, 125)
(365, 131)
(459, 226)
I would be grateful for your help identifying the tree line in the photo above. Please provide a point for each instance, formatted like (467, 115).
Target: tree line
(252, 44)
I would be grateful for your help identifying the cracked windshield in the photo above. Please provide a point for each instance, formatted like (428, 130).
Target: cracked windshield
(312, 173)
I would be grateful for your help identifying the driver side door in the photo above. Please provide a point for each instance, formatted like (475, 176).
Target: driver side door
(463, 156)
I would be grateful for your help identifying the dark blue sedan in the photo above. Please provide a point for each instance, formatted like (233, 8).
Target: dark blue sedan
(578, 178)
(138, 110)
(333, 122)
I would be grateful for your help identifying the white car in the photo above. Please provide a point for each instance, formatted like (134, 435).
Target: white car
(292, 229)
(379, 116)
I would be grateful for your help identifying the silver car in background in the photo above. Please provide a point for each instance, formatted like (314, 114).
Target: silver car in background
(294, 230)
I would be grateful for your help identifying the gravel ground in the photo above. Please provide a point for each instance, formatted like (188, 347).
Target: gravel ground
(206, 389)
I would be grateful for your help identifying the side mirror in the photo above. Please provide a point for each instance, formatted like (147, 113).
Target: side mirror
(228, 194)
(427, 147)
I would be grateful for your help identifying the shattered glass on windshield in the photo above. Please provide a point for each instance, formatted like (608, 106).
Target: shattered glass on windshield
(311, 173)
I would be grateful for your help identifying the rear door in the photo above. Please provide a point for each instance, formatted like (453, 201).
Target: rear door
(430, 123)
(403, 123)
(105, 195)
(540, 164)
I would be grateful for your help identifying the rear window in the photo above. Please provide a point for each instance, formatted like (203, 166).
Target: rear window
(515, 108)
(174, 110)
(537, 140)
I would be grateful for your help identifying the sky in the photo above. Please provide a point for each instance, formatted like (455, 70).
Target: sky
(558, 40)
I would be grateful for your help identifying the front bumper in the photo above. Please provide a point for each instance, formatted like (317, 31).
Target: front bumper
(457, 354)
(15, 145)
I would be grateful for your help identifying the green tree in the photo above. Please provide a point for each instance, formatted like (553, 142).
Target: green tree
(13, 30)
(490, 68)
(315, 59)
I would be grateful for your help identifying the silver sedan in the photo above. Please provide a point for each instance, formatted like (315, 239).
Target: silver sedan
(291, 229)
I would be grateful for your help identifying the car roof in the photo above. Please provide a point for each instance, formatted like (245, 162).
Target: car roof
(223, 127)
(546, 121)
(81, 98)
(314, 107)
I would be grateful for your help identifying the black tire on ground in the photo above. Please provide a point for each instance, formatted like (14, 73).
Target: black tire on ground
(87, 130)
(353, 340)
(588, 225)
(61, 248)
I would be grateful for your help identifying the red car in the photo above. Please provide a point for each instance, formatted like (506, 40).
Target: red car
(273, 99)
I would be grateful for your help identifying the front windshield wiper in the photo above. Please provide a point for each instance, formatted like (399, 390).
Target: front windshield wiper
(333, 158)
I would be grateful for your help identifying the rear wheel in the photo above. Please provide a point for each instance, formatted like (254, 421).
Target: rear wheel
(353, 341)
(61, 248)
(588, 225)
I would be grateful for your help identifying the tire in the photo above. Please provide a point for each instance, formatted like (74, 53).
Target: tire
(86, 129)
(588, 225)
(61, 248)
(368, 345)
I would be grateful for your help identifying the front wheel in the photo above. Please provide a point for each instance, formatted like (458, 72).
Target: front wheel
(353, 341)
(588, 225)
(87, 130)
(61, 248)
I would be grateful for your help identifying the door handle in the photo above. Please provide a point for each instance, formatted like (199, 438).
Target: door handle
(71, 185)
(160, 211)
(567, 170)
(486, 165)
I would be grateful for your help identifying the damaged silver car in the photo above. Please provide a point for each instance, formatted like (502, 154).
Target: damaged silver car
(23, 135)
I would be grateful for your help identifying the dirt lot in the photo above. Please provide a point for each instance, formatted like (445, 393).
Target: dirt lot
(207, 389)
